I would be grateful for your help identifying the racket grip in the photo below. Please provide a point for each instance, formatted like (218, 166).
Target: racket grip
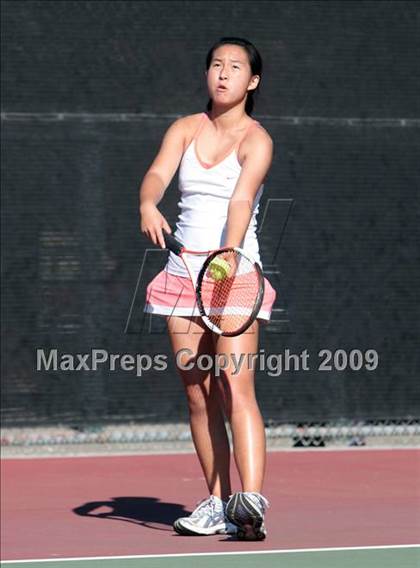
(172, 244)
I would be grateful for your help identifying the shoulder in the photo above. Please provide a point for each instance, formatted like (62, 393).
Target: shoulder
(184, 127)
(258, 136)
(187, 123)
(179, 131)
(257, 145)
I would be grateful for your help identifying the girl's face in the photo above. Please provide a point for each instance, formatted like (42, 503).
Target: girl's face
(229, 76)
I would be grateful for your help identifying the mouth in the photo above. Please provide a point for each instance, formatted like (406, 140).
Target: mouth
(221, 88)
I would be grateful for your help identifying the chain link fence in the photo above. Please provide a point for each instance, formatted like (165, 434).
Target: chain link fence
(177, 437)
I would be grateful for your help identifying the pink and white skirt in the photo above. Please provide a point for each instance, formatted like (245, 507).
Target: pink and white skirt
(168, 294)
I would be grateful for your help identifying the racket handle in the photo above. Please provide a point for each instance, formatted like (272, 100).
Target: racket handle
(172, 244)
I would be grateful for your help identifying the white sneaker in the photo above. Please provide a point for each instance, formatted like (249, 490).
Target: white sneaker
(246, 510)
(207, 518)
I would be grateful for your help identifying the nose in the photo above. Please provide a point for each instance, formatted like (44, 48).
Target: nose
(223, 73)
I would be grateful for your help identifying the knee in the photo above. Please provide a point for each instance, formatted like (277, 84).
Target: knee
(241, 404)
(198, 404)
(203, 402)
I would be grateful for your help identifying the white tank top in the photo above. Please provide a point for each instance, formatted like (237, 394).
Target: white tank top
(205, 193)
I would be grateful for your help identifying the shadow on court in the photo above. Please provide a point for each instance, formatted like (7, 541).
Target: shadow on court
(146, 511)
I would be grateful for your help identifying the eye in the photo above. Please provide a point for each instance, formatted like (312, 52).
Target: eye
(236, 67)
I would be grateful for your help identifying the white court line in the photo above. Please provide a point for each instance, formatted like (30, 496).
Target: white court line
(281, 551)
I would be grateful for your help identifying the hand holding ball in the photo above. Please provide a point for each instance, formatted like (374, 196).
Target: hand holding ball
(219, 269)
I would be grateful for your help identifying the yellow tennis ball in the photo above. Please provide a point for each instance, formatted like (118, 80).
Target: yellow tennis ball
(219, 268)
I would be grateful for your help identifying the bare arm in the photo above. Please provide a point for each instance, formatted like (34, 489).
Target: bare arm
(157, 179)
(257, 162)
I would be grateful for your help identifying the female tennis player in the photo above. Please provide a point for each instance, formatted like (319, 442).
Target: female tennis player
(223, 157)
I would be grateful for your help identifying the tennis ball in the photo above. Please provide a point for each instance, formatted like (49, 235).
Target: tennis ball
(219, 268)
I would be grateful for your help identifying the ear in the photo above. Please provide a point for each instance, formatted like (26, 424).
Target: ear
(253, 83)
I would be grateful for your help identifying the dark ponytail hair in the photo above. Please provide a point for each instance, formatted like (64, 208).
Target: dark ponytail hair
(255, 63)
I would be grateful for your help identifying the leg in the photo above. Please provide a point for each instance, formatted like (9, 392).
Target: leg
(204, 403)
(245, 509)
(241, 406)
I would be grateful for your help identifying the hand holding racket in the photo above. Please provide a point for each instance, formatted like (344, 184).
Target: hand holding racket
(229, 287)
(153, 223)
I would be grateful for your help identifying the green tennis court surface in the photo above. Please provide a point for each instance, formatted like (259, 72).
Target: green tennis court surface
(383, 557)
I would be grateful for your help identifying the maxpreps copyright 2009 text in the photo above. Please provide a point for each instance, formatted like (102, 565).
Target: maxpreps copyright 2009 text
(274, 364)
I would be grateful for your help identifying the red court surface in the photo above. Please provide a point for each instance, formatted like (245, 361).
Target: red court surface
(125, 505)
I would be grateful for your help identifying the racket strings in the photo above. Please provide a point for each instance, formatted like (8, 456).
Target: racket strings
(230, 293)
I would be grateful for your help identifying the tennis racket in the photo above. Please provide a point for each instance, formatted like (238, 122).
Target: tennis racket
(229, 288)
